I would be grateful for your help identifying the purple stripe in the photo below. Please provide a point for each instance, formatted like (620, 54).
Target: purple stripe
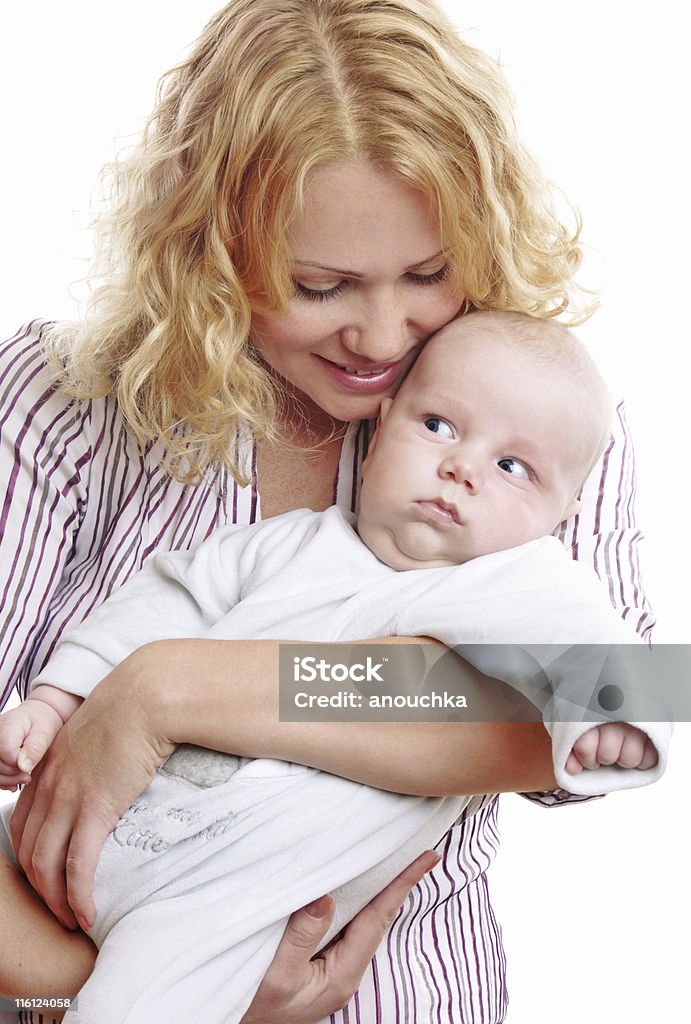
(599, 502)
(127, 542)
(178, 512)
(29, 639)
(34, 353)
(443, 907)
(18, 382)
(377, 993)
(55, 572)
(433, 922)
(160, 488)
(17, 449)
(460, 835)
(255, 486)
(235, 483)
(334, 492)
(34, 487)
(355, 470)
(625, 460)
(413, 917)
(484, 937)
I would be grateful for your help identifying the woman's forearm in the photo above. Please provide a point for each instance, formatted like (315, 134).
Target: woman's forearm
(224, 695)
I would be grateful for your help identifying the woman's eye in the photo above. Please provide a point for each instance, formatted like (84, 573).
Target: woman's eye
(436, 278)
(318, 294)
(439, 426)
(514, 467)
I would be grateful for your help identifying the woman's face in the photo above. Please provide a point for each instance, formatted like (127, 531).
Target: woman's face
(369, 271)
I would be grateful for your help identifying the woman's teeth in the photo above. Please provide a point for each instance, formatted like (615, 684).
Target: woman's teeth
(362, 373)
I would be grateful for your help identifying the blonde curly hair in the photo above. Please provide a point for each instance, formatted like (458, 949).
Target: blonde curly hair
(195, 240)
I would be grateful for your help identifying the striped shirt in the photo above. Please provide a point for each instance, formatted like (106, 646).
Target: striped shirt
(82, 509)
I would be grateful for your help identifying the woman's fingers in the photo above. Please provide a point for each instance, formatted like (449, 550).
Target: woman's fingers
(40, 836)
(365, 932)
(100, 761)
(88, 837)
(291, 988)
(300, 990)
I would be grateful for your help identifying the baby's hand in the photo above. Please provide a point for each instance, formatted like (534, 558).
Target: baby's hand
(26, 733)
(612, 743)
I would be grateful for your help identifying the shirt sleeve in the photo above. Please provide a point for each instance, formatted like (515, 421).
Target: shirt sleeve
(44, 459)
(605, 535)
(177, 594)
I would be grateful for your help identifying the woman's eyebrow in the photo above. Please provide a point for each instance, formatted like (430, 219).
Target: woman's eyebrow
(428, 259)
(354, 273)
(332, 270)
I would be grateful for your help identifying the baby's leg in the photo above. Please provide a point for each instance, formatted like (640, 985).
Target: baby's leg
(37, 955)
(147, 969)
(203, 915)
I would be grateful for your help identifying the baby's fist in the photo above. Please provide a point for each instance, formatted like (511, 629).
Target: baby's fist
(26, 733)
(612, 743)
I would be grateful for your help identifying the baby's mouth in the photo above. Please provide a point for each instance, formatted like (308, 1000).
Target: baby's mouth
(441, 511)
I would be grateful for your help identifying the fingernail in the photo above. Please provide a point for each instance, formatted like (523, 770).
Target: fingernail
(433, 857)
(319, 908)
(83, 923)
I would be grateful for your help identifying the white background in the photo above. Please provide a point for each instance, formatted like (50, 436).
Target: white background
(594, 900)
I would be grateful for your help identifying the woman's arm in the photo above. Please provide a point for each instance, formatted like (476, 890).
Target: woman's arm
(422, 758)
(191, 691)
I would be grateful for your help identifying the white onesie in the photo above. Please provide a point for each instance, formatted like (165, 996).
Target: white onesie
(197, 880)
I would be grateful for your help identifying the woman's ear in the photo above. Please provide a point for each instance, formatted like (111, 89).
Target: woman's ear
(383, 413)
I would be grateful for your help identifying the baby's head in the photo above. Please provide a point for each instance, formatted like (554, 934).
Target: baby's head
(487, 444)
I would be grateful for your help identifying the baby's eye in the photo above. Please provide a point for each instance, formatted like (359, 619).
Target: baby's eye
(514, 467)
(439, 426)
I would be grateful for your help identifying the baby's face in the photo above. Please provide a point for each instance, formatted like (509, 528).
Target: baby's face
(479, 452)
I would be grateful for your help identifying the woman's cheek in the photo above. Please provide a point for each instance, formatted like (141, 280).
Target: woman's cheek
(444, 309)
(307, 325)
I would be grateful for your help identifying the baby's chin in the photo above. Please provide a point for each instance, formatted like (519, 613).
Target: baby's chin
(413, 547)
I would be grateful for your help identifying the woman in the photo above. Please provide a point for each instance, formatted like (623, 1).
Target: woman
(322, 186)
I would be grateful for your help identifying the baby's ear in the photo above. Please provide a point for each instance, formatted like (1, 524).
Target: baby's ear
(383, 413)
(571, 509)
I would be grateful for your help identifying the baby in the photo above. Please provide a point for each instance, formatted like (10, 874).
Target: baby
(475, 463)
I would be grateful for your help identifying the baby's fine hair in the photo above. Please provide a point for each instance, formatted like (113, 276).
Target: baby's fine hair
(554, 344)
(196, 240)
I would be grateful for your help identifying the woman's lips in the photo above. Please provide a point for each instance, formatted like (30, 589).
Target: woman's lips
(440, 512)
(364, 380)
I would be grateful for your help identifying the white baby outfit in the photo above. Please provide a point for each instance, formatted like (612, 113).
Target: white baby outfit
(197, 880)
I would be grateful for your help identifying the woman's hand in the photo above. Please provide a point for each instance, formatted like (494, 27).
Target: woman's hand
(298, 989)
(100, 761)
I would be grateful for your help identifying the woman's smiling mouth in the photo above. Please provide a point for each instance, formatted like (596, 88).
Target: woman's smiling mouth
(364, 379)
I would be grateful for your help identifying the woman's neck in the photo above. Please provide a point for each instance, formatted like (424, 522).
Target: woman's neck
(303, 473)
(290, 478)
(302, 422)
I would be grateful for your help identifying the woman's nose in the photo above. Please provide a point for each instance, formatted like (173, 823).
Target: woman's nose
(382, 333)
(464, 469)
